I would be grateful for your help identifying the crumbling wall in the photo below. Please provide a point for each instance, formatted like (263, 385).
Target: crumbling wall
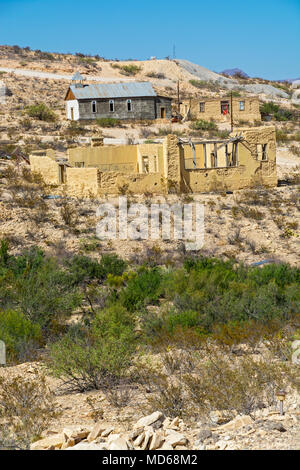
(46, 166)
(83, 182)
(251, 169)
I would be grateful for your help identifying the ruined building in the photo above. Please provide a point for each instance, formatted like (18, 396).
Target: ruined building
(246, 158)
(221, 109)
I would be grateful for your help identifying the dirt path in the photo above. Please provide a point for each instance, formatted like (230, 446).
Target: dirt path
(57, 76)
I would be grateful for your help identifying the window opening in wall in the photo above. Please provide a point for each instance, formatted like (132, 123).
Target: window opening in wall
(242, 105)
(225, 107)
(145, 161)
(62, 170)
(202, 107)
(111, 106)
(234, 154)
(264, 155)
(129, 105)
(94, 106)
(79, 164)
(205, 155)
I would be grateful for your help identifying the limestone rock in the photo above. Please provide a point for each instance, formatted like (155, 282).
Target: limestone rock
(107, 431)
(147, 438)
(88, 446)
(118, 444)
(56, 441)
(220, 417)
(236, 423)
(148, 420)
(139, 439)
(75, 432)
(96, 431)
(175, 438)
(156, 441)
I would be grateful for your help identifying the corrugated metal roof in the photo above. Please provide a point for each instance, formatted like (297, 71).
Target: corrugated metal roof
(113, 90)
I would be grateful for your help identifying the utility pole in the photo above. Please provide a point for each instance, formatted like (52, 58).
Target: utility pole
(231, 111)
(174, 52)
(178, 98)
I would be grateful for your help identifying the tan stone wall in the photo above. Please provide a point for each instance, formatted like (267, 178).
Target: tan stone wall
(116, 183)
(46, 166)
(213, 110)
(120, 158)
(83, 181)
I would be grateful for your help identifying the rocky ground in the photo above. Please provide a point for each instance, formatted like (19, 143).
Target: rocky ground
(128, 427)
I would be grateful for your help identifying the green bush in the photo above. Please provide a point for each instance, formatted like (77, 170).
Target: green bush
(20, 335)
(41, 112)
(142, 289)
(107, 122)
(203, 125)
(38, 287)
(128, 69)
(83, 268)
(279, 114)
(96, 357)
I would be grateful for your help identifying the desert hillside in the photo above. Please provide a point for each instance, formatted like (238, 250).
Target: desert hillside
(134, 344)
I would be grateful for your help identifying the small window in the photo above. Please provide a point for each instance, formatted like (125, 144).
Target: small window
(129, 105)
(202, 107)
(264, 155)
(242, 105)
(111, 106)
(94, 106)
(79, 164)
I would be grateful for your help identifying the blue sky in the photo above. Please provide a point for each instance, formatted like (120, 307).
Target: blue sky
(262, 37)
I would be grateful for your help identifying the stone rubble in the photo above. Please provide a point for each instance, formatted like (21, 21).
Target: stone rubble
(156, 431)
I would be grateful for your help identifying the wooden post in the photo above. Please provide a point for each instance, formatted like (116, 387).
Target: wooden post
(2, 353)
(231, 112)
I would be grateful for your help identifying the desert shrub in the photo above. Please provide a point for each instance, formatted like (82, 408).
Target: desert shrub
(38, 287)
(83, 268)
(208, 379)
(279, 114)
(213, 86)
(130, 69)
(41, 112)
(68, 213)
(20, 335)
(281, 136)
(295, 150)
(157, 75)
(203, 125)
(107, 122)
(75, 129)
(222, 383)
(26, 409)
(162, 131)
(96, 357)
(142, 289)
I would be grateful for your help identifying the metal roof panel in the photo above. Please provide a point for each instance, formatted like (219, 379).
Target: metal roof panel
(113, 90)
